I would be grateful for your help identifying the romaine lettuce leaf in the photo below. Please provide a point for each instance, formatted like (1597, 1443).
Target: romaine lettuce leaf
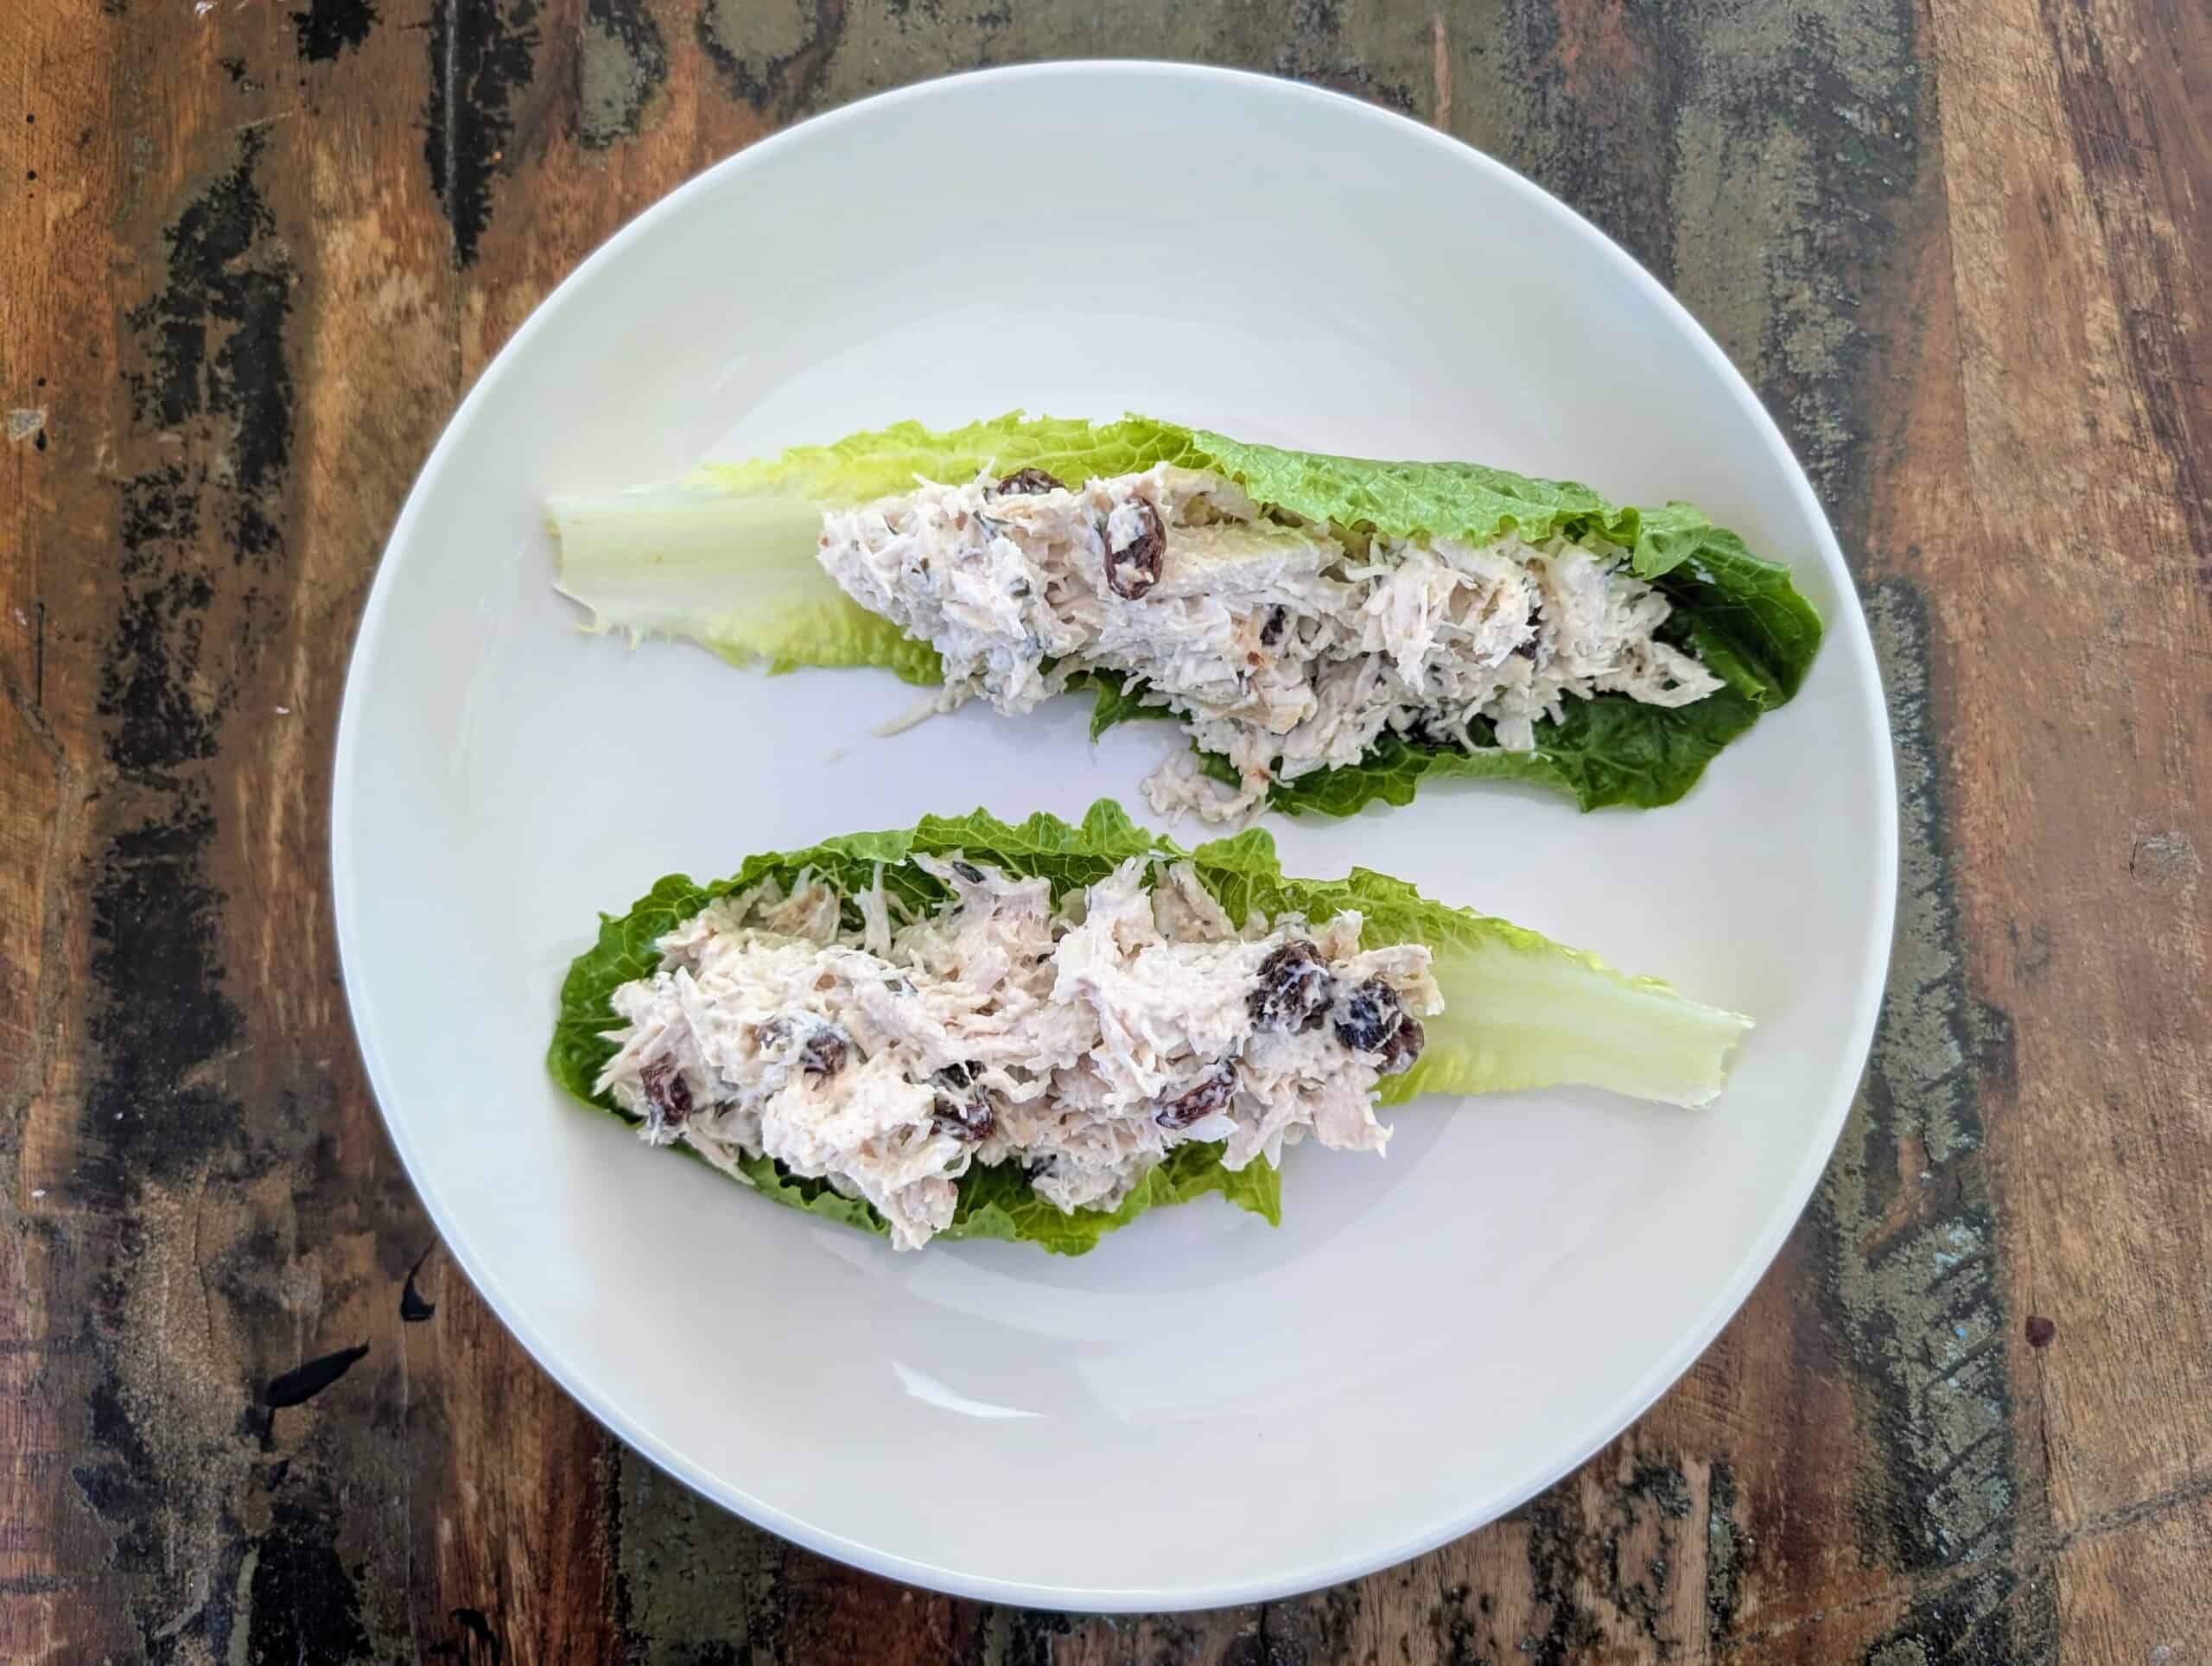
(728, 557)
(1607, 751)
(1521, 1011)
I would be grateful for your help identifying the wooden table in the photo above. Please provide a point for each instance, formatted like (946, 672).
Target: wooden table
(252, 258)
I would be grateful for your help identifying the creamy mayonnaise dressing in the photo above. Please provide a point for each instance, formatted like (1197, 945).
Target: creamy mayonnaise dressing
(1083, 1039)
(1285, 648)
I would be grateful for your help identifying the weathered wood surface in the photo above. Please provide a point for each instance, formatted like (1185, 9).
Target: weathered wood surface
(251, 257)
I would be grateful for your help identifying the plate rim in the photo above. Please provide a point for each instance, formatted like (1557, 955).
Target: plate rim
(1849, 635)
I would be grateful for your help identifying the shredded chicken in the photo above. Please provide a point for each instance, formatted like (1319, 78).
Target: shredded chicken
(1286, 648)
(1082, 1039)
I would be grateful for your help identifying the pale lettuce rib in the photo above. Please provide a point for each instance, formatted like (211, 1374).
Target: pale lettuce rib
(736, 573)
(1521, 1015)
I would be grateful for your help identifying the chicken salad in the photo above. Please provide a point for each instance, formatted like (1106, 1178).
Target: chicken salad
(1081, 1040)
(1285, 647)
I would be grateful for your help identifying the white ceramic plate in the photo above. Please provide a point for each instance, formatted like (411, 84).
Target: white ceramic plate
(1203, 1411)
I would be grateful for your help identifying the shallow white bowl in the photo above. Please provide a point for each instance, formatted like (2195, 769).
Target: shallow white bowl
(1204, 1411)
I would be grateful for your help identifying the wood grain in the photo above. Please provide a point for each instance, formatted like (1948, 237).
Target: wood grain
(252, 256)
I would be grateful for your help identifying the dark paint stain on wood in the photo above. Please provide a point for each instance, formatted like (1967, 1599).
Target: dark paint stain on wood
(778, 84)
(1576, 1557)
(1257, 1649)
(146, 676)
(122, 1486)
(1553, 1541)
(216, 1618)
(689, 1576)
(2000, 1618)
(159, 1016)
(413, 1310)
(1725, 1551)
(305, 1605)
(622, 65)
(212, 372)
(1025, 1635)
(1315, 51)
(477, 1641)
(211, 358)
(1456, 1630)
(482, 58)
(303, 1383)
(213, 336)
(328, 28)
(242, 1272)
(1905, 1216)
(703, 1654)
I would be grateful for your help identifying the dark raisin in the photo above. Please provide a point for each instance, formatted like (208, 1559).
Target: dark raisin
(825, 1052)
(1367, 1017)
(1403, 1047)
(1294, 988)
(1528, 650)
(1201, 1099)
(1271, 632)
(1027, 483)
(668, 1095)
(965, 1116)
(969, 871)
(1421, 732)
(1135, 567)
(959, 1111)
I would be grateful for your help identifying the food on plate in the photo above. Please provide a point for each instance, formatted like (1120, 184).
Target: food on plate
(1038, 1032)
(1327, 631)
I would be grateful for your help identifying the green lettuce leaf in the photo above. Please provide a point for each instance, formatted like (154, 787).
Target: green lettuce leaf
(728, 557)
(1607, 751)
(1521, 1011)
(997, 1202)
(1117, 701)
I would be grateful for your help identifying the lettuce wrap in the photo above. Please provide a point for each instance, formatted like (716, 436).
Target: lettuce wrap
(728, 557)
(1519, 1011)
